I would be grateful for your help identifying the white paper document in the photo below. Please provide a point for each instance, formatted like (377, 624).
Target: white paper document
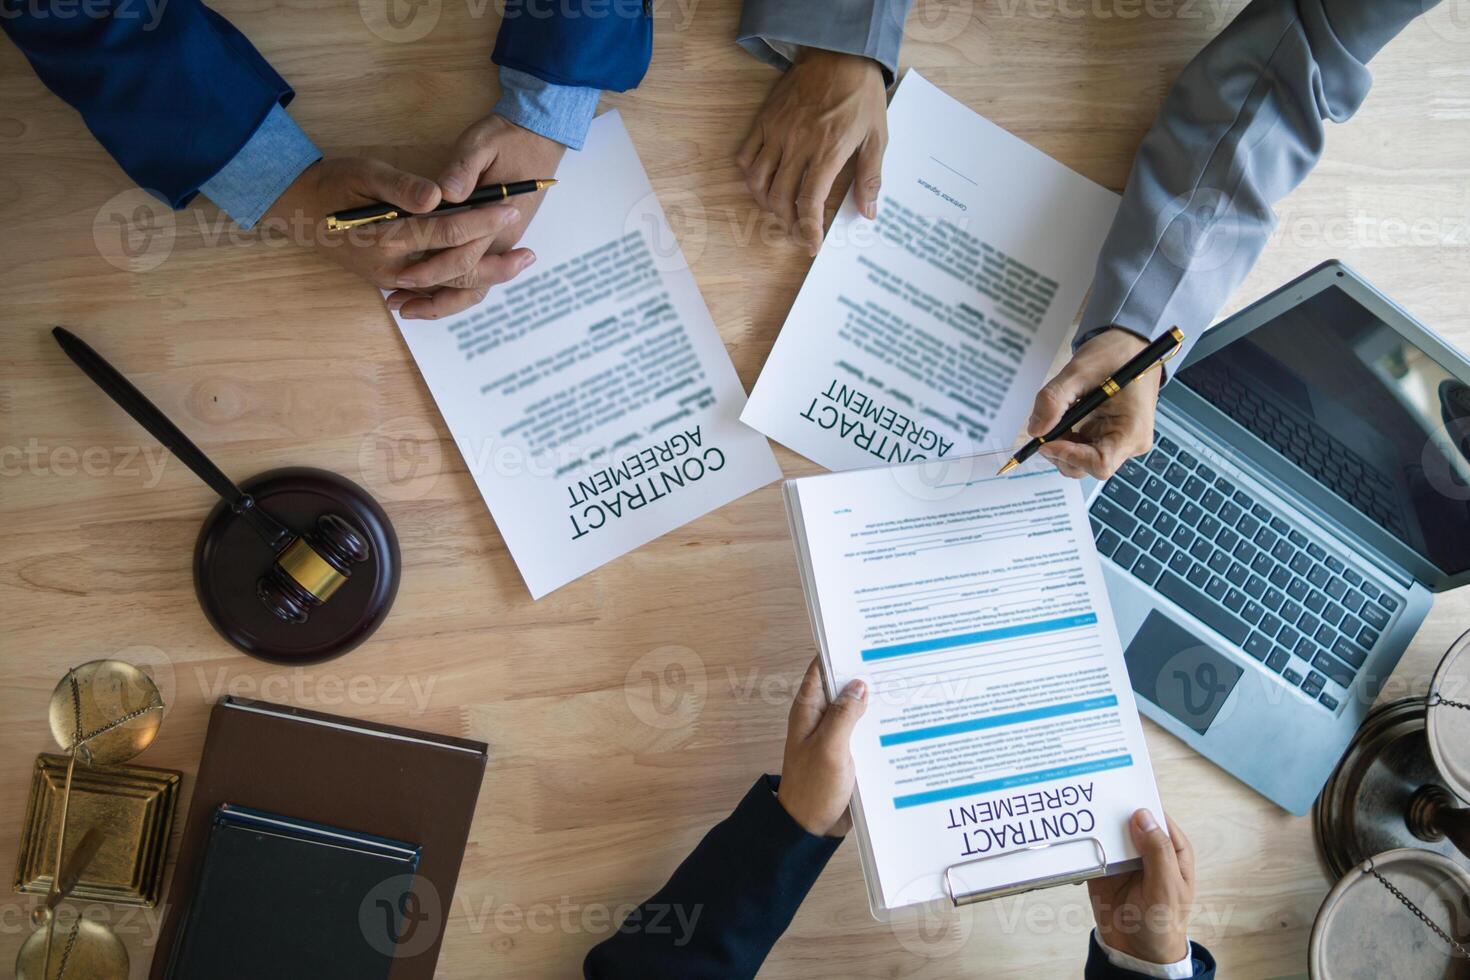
(1001, 741)
(591, 397)
(925, 334)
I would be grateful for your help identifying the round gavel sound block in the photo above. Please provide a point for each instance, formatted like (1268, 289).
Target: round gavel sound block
(251, 600)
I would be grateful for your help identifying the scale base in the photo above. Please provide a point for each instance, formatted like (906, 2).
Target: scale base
(1363, 807)
(230, 558)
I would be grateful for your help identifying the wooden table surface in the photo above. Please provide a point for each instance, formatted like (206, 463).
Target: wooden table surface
(606, 767)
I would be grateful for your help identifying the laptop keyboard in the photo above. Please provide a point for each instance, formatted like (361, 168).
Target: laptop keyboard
(1228, 559)
(1331, 461)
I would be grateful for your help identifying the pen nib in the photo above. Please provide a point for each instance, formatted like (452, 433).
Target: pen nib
(1010, 465)
(541, 185)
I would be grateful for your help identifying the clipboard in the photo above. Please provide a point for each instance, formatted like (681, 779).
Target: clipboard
(1093, 859)
(1071, 860)
(1096, 870)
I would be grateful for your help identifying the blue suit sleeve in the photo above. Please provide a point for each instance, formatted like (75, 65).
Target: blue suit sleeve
(726, 905)
(172, 90)
(599, 44)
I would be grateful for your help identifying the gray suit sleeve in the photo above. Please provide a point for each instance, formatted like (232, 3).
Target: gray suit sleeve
(771, 29)
(1242, 126)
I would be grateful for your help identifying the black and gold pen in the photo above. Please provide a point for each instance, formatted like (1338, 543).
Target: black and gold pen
(489, 194)
(1152, 356)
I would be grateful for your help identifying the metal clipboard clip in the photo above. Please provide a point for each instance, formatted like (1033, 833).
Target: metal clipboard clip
(1096, 870)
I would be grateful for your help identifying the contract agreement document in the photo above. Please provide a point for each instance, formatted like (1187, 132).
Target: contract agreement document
(925, 334)
(1001, 748)
(591, 397)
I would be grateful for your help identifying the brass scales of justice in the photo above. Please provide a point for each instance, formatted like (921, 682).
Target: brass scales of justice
(1393, 827)
(102, 714)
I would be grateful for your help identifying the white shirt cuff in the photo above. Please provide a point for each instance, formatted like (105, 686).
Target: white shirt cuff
(1164, 971)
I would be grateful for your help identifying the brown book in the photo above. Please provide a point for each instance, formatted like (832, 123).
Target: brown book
(375, 779)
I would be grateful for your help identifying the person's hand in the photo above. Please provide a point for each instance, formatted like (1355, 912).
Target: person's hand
(495, 150)
(490, 151)
(1145, 913)
(1120, 428)
(391, 254)
(827, 107)
(817, 775)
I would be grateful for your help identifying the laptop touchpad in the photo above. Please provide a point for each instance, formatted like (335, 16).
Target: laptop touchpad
(1177, 671)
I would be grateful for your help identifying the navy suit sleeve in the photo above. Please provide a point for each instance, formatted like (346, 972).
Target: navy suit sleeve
(726, 905)
(171, 90)
(602, 44)
(1099, 967)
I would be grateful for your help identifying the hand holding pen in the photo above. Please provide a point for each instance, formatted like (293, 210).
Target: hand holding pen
(384, 211)
(1094, 414)
(437, 264)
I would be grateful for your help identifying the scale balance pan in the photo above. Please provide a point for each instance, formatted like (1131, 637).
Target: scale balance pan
(1364, 932)
(1447, 726)
(96, 953)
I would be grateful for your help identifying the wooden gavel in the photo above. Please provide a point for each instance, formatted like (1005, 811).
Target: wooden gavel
(308, 568)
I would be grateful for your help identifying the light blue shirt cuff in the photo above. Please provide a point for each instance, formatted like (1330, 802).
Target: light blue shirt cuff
(559, 112)
(262, 170)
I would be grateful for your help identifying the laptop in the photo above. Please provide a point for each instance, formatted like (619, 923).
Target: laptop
(1271, 557)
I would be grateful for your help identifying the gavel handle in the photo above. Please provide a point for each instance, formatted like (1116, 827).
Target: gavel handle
(146, 414)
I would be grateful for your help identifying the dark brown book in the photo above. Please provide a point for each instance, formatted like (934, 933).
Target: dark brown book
(376, 779)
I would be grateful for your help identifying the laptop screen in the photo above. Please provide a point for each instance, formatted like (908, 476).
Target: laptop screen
(1361, 410)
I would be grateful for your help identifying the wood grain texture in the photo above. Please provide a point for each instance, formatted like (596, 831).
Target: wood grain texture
(268, 355)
